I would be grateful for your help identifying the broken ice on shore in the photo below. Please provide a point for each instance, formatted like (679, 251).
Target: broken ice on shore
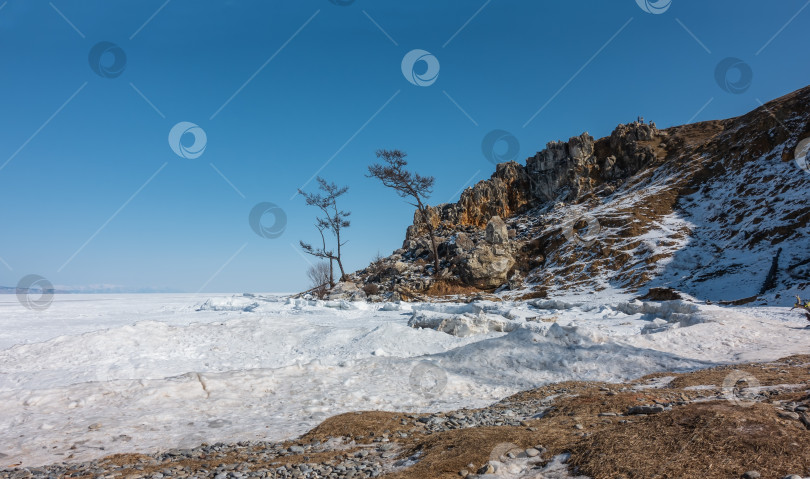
(99, 374)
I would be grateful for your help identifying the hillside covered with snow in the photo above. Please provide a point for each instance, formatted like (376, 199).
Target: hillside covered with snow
(708, 209)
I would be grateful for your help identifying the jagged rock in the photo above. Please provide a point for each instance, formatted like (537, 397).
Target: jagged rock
(574, 168)
(635, 183)
(556, 168)
(505, 194)
(628, 155)
(496, 232)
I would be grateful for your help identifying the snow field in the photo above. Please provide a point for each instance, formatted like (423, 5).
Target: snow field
(95, 375)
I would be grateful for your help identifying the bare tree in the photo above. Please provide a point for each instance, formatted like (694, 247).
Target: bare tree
(333, 220)
(320, 275)
(418, 188)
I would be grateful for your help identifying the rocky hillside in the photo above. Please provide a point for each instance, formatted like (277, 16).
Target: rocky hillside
(719, 210)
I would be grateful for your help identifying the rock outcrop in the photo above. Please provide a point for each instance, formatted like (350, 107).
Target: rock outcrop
(563, 171)
(505, 194)
(659, 209)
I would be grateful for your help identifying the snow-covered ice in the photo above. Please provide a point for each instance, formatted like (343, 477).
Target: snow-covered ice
(99, 374)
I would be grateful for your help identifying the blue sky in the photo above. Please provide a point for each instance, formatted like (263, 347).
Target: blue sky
(94, 194)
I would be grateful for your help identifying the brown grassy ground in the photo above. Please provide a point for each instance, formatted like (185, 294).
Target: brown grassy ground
(443, 287)
(700, 436)
(714, 439)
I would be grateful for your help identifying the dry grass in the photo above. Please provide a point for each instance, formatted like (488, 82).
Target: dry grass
(445, 454)
(711, 440)
(791, 370)
(707, 440)
(450, 287)
(361, 426)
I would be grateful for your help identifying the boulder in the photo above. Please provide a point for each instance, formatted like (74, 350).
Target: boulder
(343, 290)
(487, 266)
(496, 232)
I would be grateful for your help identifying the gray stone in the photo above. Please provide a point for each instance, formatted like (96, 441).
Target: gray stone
(487, 266)
(343, 290)
(645, 409)
(789, 415)
(496, 232)
(486, 469)
(751, 475)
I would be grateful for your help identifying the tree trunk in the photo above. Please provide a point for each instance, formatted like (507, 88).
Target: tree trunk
(340, 265)
(432, 234)
(435, 253)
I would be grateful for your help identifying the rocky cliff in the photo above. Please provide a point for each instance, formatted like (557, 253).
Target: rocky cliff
(700, 208)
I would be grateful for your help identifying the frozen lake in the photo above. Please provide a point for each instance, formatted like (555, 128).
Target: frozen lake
(99, 374)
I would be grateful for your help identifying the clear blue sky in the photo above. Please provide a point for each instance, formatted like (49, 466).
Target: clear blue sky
(315, 80)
